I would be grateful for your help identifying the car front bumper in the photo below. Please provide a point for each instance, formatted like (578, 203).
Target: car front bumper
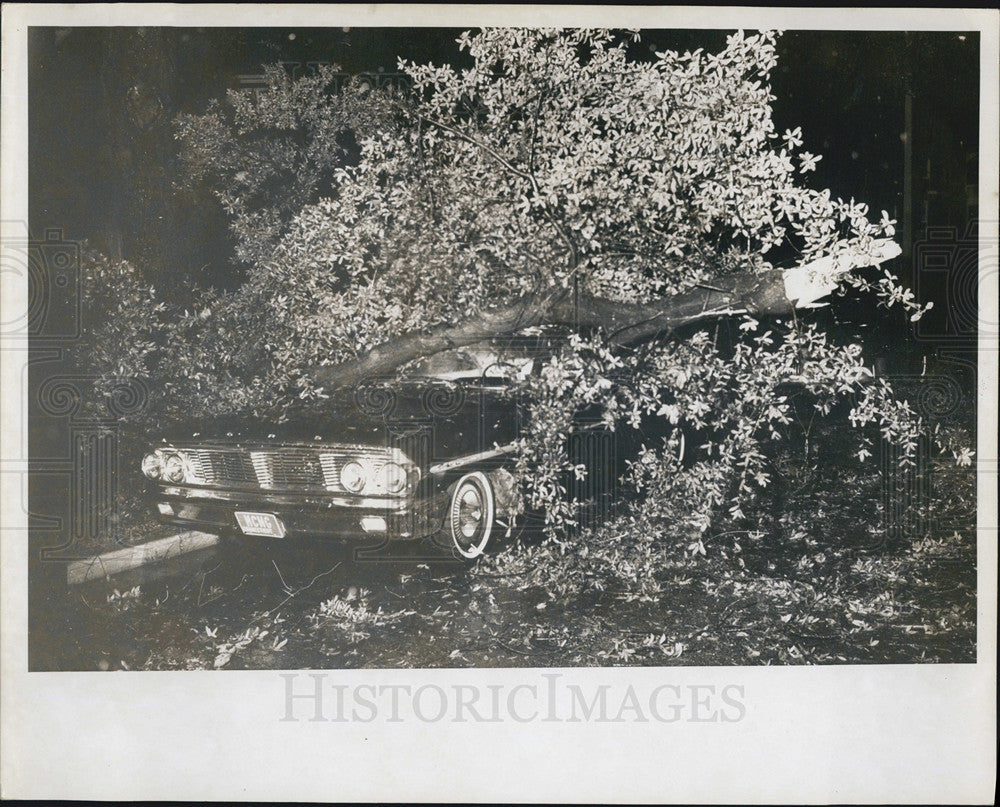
(301, 516)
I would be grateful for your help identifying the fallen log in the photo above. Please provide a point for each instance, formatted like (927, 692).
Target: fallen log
(771, 293)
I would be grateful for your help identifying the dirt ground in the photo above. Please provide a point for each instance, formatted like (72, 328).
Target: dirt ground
(312, 609)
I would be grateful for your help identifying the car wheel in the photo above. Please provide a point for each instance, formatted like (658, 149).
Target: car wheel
(471, 515)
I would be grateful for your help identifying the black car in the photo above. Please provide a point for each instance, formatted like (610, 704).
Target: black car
(428, 456)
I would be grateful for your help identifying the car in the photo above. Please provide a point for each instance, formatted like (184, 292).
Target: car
(428, 457)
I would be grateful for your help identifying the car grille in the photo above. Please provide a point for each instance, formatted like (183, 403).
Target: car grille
(224, 468)
(287, 468)
(298, 470)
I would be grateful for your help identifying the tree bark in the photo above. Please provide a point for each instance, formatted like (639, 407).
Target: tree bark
(771, 293)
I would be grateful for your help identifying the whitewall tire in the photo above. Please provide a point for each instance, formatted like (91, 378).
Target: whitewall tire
(471, 515)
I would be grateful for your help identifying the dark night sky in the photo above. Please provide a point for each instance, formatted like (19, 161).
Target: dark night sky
(101, 166)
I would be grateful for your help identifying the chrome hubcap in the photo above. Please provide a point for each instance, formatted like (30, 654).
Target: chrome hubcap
(470, 513)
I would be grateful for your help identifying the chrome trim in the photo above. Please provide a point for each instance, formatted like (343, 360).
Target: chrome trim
(266, 498)
(441, 467)
(233, 444)
(260, 467)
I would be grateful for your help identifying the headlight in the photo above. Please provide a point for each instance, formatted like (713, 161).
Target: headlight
(173, 468)
(390, 474)
(392, 477)
(352, 477)
(151, 466)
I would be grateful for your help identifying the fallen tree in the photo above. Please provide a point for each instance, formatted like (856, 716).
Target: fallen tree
(559, 180)
(581, 188)
(772, 293)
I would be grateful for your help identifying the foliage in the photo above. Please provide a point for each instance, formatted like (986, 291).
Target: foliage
(556, 161)
(191, 362)
(816, 570)
(268, 153)
(737, 399)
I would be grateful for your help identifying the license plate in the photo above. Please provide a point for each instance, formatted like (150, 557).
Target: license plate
(263, 524)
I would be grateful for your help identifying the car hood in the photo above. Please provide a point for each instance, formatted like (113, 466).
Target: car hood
(367, 417)
(315, 428)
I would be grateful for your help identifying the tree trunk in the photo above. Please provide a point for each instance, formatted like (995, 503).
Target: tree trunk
(771, 293)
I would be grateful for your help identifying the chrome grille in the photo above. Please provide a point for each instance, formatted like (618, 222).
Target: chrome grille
(288, 468)
(295, 470)
(221, 467)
